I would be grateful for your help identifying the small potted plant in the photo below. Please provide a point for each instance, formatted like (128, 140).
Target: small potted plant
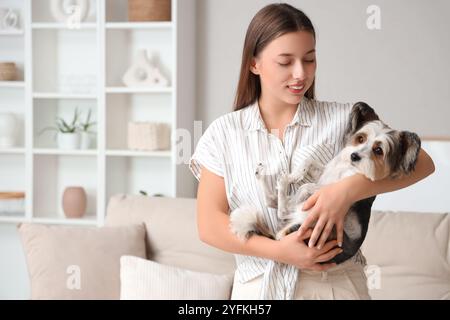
(84, 128)
(67, 133)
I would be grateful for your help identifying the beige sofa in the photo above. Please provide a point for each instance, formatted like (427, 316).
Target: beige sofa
(408, 253)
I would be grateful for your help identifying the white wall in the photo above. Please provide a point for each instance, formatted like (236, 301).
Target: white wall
(401, 70)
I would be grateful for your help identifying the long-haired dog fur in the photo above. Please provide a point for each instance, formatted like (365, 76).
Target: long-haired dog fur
(370, 148)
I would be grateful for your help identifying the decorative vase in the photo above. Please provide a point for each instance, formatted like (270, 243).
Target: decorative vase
(85, 140)
(9, 19)
(69, 10)
(74, 202)
(68, 141)
(142, 73)
(8, 130)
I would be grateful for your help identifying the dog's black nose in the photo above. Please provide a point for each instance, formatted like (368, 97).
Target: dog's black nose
(355, 157)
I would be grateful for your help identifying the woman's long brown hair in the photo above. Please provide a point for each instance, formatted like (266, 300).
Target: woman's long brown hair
(268, 24)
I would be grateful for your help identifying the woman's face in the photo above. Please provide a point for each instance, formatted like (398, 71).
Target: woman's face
(286, 67)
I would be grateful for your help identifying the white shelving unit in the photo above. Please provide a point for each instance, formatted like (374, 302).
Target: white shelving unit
(66, 68)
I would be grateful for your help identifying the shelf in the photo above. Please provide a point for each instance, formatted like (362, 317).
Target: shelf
(59, 152)
(11, 32)
(132, 153)
(129, 175)
(63, 26)
(12, 151)
(13, 219)
(112, 153)
(139, 25)
(55, 95)
(85, 221)
(52, 174)
(66, 64)
(13, 177)
(160, 52)
(12, 84)
(139, 90)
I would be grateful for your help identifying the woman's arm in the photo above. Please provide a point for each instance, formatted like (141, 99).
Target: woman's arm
(213, 221)
(213, 228)
(331, 203)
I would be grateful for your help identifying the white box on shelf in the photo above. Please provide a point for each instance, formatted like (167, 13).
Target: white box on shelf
(148, 136)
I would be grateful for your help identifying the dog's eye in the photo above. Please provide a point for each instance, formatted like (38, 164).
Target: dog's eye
(360, 139)
(378, 151)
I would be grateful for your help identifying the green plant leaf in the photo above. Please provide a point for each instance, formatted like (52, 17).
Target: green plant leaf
(89, 116)
(75, 117)
(84, 126)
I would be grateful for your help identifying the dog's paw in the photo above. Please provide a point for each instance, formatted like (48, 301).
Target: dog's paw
(283, 182)
(243, 222)
(259, 171)
(301, 171)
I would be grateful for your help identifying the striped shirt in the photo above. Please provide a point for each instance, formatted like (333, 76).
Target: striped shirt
(232, 147)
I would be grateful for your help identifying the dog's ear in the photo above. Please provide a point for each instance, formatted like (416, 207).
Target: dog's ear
(409, 148)
(361, 113)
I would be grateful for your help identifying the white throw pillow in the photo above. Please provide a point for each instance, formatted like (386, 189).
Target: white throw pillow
(142, 279)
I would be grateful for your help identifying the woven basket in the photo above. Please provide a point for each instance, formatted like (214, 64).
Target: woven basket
(12, 203)
(149, 10)
(8, 71)
(12, 195)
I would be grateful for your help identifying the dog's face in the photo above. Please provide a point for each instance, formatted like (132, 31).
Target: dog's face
(376, 150)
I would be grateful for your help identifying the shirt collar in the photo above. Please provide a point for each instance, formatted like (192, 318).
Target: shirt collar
(302, 116)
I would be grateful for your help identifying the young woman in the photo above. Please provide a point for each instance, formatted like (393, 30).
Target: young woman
(277, 122)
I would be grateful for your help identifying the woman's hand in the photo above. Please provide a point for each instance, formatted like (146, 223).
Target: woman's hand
(294, 251)
(329, 205)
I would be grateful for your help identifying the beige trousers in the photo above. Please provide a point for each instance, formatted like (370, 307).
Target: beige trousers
(346, 281)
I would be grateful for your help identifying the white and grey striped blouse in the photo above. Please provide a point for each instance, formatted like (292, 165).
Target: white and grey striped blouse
(232, 147)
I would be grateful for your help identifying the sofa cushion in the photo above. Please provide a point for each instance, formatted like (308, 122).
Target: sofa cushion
(78, 262)
(172, 236)
(147, 280)
(408, 255)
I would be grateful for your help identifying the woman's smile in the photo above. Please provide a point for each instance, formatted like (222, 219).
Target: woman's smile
(296, 89)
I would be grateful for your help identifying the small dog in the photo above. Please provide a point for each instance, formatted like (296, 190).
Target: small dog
(370, 148)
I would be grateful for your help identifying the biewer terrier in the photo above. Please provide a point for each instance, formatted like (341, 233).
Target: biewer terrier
(370, 148)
